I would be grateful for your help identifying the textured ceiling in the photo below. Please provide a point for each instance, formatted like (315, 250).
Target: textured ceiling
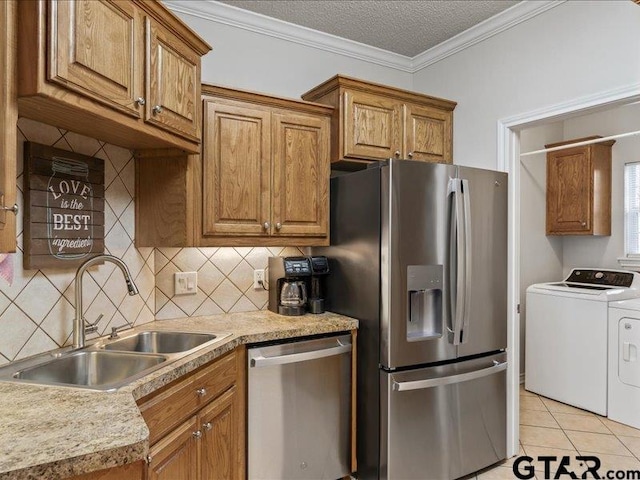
(400, 26)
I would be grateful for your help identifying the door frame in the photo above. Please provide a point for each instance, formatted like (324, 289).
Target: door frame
(508, 160)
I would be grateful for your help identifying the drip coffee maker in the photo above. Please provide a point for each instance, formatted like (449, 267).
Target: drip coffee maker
(288, 279)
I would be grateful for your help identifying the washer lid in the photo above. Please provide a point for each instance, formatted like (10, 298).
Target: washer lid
(595, 284)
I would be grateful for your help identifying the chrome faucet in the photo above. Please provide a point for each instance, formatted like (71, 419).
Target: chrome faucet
(78, 322)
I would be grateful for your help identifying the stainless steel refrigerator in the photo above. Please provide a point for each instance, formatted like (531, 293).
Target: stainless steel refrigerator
(419, 255)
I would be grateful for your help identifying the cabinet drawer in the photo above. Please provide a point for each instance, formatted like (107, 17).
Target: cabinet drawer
(166, 408)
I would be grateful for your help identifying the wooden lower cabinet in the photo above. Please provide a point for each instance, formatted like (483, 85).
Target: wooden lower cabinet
(204, 440)
(219, 447)
(176, 455)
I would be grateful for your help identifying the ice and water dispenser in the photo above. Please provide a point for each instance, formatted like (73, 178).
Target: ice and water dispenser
(424, 294)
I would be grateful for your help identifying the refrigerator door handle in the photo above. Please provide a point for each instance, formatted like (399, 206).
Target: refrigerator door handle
(457, 257)
(467, 261)
(436, 382)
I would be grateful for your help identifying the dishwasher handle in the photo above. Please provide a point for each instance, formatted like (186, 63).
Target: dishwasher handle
(261, 361)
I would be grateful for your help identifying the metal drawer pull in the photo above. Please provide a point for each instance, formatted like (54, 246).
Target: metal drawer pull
(260, 361)
(13, 209)
(207, 426)
(140, 101)
(201, 391)
(197, 434)
(157, 109)
(440, 381)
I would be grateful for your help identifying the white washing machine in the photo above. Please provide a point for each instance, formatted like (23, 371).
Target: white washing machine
(624, 362)
(566, 335)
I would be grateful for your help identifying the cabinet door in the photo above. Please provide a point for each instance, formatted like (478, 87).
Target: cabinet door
(173, 82)
(236, 174)
(176, 455)
(220, 448)
(569, 191)
(372, 126)
(95, 49)
(8, 119)
(428, 134)
(300, 175)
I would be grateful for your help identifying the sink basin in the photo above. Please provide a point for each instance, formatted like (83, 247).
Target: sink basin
(93, 369)
(161, 342)
(109, 364)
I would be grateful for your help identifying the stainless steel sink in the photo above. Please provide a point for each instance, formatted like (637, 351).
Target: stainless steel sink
(160, 342)
(109, 364)
(93, 369)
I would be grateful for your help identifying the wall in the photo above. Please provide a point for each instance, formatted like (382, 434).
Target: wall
(541, 257)
(37, 308)
(604, 251)
(576, 49)
(252, 61)
(225, 279)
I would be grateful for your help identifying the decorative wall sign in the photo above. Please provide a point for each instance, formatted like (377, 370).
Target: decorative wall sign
(64, 207)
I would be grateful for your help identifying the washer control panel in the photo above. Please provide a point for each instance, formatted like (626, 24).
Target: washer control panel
(610, 278)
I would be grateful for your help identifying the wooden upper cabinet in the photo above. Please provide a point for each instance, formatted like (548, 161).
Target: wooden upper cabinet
(372, 126)
(96, 50)
(236, 173)
(265, 171)
(377, 122)
(300, 187)
(8, 119)
(428, 134)
(133, 57)
(173, 82)
(579, 189)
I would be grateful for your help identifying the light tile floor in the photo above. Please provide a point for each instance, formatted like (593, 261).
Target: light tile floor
(552, 428)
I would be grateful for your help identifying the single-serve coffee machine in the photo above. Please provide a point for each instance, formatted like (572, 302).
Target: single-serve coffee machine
(319, 272)
(288, 282)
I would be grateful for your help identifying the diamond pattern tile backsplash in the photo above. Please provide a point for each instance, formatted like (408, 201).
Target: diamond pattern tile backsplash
(37, 308)
(225, 279)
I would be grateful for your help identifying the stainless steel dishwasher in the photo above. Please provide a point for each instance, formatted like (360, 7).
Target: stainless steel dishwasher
(299, 399)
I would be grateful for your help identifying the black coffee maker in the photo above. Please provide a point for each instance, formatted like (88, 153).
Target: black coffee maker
(289, 278)
(319, 273)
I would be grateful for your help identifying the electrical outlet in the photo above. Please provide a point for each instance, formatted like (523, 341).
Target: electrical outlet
(258, 276)
(185, 283)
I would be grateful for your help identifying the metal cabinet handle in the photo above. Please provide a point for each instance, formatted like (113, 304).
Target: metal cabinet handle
(397, 153)
(266, 225)
(201, 391)
(410, 154)
(207, 426)
(157, 109)
(197, 434)
(278, 226)
(141, 101)
(584, 224)
(13, 209)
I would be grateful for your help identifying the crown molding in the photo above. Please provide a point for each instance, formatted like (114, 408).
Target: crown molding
(258, 23)
(520, 12)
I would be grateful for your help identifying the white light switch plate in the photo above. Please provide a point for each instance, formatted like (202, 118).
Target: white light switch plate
(185, 283)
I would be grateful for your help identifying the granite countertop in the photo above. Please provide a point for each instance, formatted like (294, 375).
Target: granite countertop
(57, 432)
